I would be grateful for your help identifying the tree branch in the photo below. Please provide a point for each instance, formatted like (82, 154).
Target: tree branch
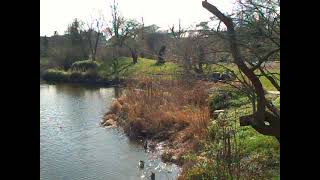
(258, 119)
(264, 59)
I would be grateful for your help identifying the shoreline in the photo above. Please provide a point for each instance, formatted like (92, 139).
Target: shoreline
(172, 148)
(161, 146)
(106, 84)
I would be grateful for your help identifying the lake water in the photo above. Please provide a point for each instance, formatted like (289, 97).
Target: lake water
(73, 146)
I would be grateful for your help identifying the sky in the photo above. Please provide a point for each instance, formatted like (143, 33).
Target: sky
(55, 15)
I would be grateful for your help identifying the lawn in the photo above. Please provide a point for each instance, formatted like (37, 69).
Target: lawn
(267, 85)
(149, 68)
(144, 67)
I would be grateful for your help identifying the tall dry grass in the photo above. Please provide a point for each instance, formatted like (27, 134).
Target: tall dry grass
(163, 107)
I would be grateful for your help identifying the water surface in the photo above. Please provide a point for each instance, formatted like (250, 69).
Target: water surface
(74, 147)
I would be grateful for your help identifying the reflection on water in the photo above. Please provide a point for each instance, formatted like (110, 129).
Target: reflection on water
(74, 146)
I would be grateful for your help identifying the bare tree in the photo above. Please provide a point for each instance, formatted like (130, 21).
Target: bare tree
(123, 33)
(179, 33)
(189, 48)
(181, 46)
(94, 34)
(141, 39)
(266, 118)
(123, 30)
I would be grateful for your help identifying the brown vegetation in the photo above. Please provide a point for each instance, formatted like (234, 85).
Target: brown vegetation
(168, 105)
(164, 110)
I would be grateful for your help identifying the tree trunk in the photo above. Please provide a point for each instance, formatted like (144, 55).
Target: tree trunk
(94, 52)
(134, 56)
(161, 55)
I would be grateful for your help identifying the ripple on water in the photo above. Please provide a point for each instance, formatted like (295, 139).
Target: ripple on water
(74, 146)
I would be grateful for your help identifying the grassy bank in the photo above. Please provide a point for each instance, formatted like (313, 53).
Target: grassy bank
(205, 144)
(273, 67)
(90, 77)
(231, 151)
(104, 72)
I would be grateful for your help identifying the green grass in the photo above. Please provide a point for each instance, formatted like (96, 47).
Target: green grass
(263, 151)
(148, 67)
(253, 143)
(220, 69)
(144, 67)
(276, 102)
(267, 85)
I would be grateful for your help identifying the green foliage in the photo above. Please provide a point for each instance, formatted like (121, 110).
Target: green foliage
(222, 156)
(75, 76)
(91, 75)
(201, 173)
(96, 70)
(276, 102)
(218, 100)
(238, 99)
(84, 66)
(233, 152)
(249, 153)
(54, 75)
(226, 98)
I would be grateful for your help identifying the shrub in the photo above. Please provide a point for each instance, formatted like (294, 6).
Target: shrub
(115, 107)
(91, 75)
(75, 76)
(84, 66)
(199, 173)
(161, 107)
(218, 100)
(54, 75)
(227, 97)
(233, 152)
